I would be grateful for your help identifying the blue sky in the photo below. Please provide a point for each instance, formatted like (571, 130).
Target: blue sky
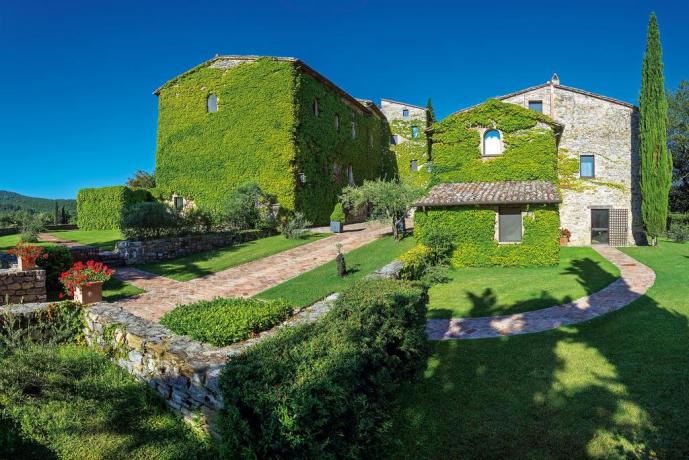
(76, 77)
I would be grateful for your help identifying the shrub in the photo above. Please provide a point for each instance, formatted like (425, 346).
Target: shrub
(679, 231)
(59, 260)
(243, 207)
(324, 390)
(103, 208)
(30, 225)
(338, 214)
(60, 322)
(416, 262)
(295, 227)
(221, 322)
(151, 220)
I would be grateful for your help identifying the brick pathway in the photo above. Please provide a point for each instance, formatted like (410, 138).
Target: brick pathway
(634, 281)
(163, 294)
(48, 238)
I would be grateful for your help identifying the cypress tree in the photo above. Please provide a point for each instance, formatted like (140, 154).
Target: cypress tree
(430, 114)
(656, 161)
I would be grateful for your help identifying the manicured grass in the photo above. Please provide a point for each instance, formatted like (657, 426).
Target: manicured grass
(70, 402)
(10, 241)
(316, 284)
(222, 322)
(491, 291)
(205, 263)
(102, 239)
(115, 289)
(613, 387)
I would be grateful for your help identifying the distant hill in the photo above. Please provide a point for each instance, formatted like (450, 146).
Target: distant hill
(10, 201)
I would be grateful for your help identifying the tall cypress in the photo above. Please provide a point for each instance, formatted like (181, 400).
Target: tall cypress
(430, 114)
(656, 160)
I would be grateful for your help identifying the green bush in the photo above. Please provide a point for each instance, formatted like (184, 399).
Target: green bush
(151, 220)
(103, 208)
(59, 260)
(416, 262)
(221, 322)
(325, 390)
(295, 227)
(338, 214)
(679, 230)
(243, 208)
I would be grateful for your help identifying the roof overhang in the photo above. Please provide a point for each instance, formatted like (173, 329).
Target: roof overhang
(491, 193)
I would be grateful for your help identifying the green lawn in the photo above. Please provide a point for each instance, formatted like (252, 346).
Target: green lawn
(9, 241)
(69, 402)
(316, 284)
(613, 387)
(102, 239)
(205, 263)
(491, 291)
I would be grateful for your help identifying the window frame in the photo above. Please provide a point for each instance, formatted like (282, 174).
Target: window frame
(405, 113)
(353, 127)
(315, 108)
(516, 210)
(216, 104)
(337, 122)
(180, 206)
(414, 165)
(535, 101)
(483, 143)
(414, 132)
(593, 166)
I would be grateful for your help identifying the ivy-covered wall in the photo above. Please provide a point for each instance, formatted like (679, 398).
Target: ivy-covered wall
(203, 156)
(325, 153)
(472, 229)
(530, 153)
(102, 208)
(410, 149)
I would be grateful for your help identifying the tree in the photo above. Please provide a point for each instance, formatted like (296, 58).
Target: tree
(388, 201)
(430, 113)
(678, 143)
(56, 220)
(142, 179)
(656, 161)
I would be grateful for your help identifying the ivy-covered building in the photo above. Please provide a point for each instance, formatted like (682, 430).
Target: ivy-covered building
(408, 140)
(271, 120)
(510, 173)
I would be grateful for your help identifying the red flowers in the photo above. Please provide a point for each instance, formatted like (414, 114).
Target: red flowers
(84, 273)
(28, 252)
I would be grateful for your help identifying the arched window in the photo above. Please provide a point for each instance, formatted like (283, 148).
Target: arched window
(212, 103)
(316, 110)
(492, 143)
(337, 122)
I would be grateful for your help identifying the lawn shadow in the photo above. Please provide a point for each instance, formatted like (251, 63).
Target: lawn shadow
(486, 304)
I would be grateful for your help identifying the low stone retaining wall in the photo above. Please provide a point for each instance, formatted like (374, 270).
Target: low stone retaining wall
(22, 286)
(141, 252)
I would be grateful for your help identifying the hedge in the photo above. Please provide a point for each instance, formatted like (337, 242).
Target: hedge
(222, 322)
(325, 390)
(472, 231)
(103, 208)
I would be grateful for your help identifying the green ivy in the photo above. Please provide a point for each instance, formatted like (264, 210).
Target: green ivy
(264, 131)
(103, 208)
(472, 229)
(411, 149)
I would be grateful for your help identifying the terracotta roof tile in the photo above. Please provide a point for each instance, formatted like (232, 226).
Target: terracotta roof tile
(484, 193)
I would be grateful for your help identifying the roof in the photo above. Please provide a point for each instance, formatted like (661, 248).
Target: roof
(298, 62)
(485, 193)
(562, 87)
(403, 103)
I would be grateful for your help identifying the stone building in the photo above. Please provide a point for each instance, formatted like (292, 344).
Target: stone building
(598, 161)
(408, 140)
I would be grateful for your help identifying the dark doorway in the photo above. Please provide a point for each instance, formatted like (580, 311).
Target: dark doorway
(600, 226)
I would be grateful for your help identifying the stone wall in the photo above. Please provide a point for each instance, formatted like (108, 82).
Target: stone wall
(22, 286)
(140, 252)
(608, 130)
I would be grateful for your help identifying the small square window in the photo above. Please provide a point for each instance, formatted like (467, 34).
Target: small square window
(413, 165)
(536, 106)
(414, 132)
(587, 166)
(509, 224)
(179, 203)
(405, 113)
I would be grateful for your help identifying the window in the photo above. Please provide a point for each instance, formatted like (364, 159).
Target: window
(393, 139)
(414, 132)
(509, 224)
(316, 111)
(405, 113)
(492, 144)
(350, 175)
(179, 203)
(212, 103)
(370, 140)
(587, 166)
(536, 106)
(337, 122)
(353, 130)
(413, 165)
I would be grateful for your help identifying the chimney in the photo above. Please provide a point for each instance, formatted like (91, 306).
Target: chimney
(555, 80)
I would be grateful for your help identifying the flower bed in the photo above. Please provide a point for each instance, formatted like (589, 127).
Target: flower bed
(222, 322)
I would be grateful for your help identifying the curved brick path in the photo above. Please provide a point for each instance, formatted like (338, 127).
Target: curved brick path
(635, 280)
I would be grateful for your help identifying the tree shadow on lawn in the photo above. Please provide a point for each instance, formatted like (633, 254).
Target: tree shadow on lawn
(613, 387)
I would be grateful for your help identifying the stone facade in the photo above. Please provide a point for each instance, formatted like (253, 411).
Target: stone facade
(141, 252)
(602, 127)
(22, 286)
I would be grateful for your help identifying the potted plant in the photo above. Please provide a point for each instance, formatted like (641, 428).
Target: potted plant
(84, 281)
(564, 236)
(27, 254)
(337, 219)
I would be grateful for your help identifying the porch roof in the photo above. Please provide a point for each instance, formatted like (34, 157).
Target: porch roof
(491, 193)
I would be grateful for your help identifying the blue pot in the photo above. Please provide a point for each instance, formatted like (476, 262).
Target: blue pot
(336, 227)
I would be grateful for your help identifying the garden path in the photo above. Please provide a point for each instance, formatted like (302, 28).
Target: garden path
(163, 294)
(635, 279)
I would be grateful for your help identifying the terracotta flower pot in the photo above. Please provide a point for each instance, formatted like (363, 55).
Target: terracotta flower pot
(564, 240)
(89, 293)
(25, 265)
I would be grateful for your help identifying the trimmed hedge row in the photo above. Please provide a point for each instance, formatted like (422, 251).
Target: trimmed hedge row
(324, 390)
(103, 208)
